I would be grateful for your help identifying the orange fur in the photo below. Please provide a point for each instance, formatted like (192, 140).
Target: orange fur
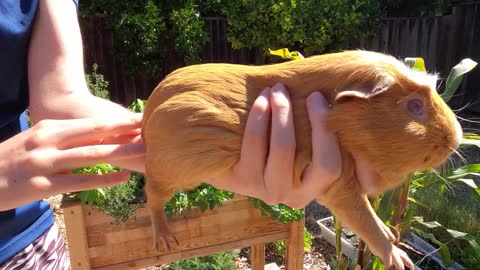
(195, 118)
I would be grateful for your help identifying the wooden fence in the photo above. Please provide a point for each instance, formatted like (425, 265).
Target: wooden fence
(441, 41)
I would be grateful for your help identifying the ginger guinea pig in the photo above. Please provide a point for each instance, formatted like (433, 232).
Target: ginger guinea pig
(382, 112)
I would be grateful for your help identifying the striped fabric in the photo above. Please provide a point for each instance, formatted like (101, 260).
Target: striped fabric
(46, 253)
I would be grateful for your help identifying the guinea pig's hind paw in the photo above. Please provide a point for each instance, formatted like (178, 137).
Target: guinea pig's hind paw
(165, 237)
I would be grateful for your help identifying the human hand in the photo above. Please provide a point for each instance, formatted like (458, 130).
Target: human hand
(271, 179)
(396, 258)
(37, 162)
(134, 163)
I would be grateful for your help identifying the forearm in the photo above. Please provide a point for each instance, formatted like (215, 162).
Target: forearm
(56, 72)
(77, 105)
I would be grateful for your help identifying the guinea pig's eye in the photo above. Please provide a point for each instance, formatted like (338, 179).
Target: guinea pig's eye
(416, 108)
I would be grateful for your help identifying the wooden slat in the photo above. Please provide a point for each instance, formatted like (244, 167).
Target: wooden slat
(142, 248)
(204, 251)
(97, 217)
(198, 228)
(295, 244)
(258, 257)
(129, 245)
(236, 221)
(77, 237)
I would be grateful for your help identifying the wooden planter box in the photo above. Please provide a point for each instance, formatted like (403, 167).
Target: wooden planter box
(96, 241)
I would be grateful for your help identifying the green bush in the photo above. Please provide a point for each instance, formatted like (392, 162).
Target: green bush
(152, 36)
(219, 261)
(147, 33)
(96, 83)
(188, 30)
(280, 246)
(307, 25)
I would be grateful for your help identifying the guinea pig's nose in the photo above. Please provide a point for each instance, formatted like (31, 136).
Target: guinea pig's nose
(459, 134)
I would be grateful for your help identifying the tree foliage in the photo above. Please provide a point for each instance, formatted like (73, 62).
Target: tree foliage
(311, 26)
(158, 36)
(155, 37)
(151, 36)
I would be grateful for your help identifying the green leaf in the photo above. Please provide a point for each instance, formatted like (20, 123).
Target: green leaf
(418, 202)
(471, 136)
(377, 264)
(469, 142)
(138, 105)
(455, 77)
(417, 63)
(90, 196)
(425, 235)
(430, 224)
(386, 204)
(445, 253)
(464, 171)
(470, 183)
(465, 236)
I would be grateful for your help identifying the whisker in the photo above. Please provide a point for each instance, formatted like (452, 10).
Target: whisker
(462, 108)
(448, 185)
(468, 120)
(440, 84)
(452, 162)
(462, 158)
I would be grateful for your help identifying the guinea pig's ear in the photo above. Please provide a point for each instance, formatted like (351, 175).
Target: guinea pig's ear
(365, 92)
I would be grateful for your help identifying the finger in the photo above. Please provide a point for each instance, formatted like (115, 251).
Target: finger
(133, 164)
(406, 260)
(254, 143)
(135, 137)
(280, 164)
(130, 137)
(88, 155)
(78, 131)
(326, 165)
(399, 262)
(63, 183)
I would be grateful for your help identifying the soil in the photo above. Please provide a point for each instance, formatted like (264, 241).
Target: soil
(421, 259)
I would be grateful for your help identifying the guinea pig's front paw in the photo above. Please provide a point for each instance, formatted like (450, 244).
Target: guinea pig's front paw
(397, 259)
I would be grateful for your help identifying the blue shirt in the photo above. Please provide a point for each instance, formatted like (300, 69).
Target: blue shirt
(20, 226)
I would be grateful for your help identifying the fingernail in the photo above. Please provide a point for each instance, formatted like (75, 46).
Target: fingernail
(279, 88)
(279, 93)
(263, 98)
(265, 92)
